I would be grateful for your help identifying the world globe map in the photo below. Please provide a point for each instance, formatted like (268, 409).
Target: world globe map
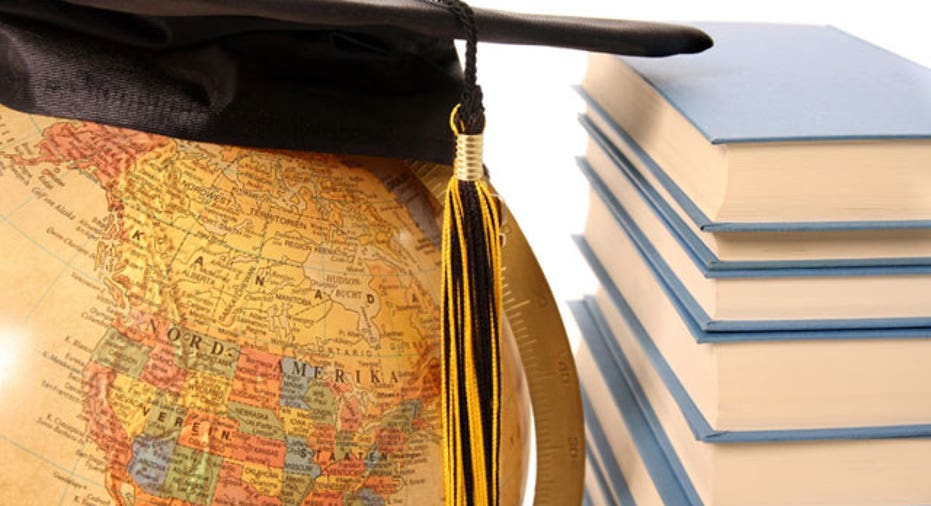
(186, 323)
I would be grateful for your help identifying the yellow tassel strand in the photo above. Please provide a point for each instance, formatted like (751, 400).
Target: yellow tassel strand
(471, 317)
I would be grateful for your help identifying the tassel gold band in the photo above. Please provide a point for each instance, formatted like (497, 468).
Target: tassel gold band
(468, 164)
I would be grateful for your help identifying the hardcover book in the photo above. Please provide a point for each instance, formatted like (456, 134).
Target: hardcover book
(699, 470)
(754, 299)
(780, 124)
(773, 380)
(729, 245)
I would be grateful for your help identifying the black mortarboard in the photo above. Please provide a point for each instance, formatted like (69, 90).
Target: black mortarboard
(373, 77)
(366, 77)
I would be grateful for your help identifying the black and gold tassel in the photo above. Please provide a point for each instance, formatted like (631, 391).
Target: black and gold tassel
(471, 301)
(471, 305)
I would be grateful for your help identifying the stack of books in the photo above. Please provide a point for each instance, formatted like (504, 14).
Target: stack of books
(760, 222)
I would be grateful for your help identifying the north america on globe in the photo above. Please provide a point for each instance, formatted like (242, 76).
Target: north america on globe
(188, 323)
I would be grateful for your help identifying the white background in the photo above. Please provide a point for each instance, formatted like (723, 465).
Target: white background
(533, 137)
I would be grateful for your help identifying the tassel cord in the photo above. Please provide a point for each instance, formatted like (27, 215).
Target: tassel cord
(470, 118)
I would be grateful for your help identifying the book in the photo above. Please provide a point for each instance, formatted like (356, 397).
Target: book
(597, 492)
(832, 381)
(601, 483)
(780, 124)
(622, 439)
(835, 471)
(629, 454)
(754, 245)
(604, 481)
(751, 299)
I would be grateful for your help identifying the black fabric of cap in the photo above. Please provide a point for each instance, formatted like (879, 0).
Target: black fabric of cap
(375, 77)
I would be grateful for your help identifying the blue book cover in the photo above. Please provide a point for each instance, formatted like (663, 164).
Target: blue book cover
(678, 291)
(702, 254)
(696, 215)
(817, 83)
(705, 331)
(655, 449)
(602, 478)
(613, 364)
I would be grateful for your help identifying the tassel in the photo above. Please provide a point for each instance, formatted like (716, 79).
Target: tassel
(471, 319)
(471, 300)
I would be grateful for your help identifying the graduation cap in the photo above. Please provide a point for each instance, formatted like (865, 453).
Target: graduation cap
(367, 77)
(373, 77)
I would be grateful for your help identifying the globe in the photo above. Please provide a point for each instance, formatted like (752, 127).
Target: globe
(186, 323)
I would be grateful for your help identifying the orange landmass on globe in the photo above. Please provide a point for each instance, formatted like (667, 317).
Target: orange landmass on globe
(270, 322)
